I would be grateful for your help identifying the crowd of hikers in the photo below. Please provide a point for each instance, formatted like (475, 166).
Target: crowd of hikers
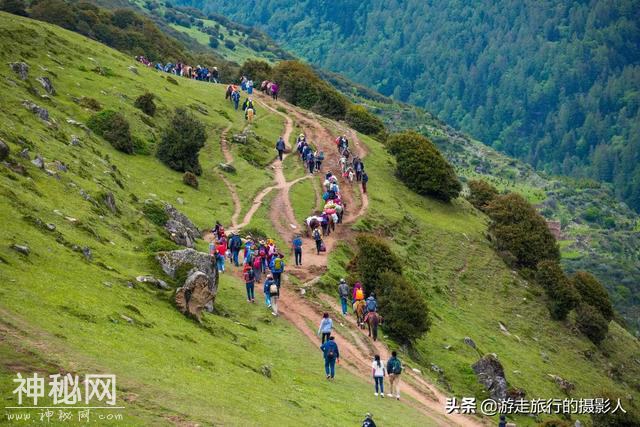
(198, 72)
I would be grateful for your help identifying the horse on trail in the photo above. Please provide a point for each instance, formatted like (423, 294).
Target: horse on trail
(373, 319)
(358, 308)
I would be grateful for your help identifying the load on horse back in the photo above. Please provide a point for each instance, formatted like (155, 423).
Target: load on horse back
(359, 309)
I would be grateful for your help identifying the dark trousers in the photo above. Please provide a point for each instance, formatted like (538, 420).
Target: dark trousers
(364, 187)
(250, 291)
(234, 255)
(330, 366)
(298, 256)
(358, 176)
(310, 165)
(276, 277)
(325, 336)
(280, 154)
(379, 384)
(318, 164)
(318, 244)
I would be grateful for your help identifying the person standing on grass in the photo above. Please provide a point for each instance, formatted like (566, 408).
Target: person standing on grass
(365, 179)
(249, 281)
(280, 146)
(343, 291)
(326, 325)
(394, 369)
(331, 355)
(235, 97)
(378, 370)
(297, 249)
(274, 294)
(267, 289)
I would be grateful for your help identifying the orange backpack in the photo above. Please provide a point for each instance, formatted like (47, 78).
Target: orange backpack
(359, 294)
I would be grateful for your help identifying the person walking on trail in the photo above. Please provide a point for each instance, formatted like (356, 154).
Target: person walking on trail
(319, 159)
(343, 291)
(311, 161)
(277, 268)
(297, 249)
(274, 294)
(215, 75)
(359, 168)
(280, 146)
(318, 239)
(274, 90)
(365, 179)
(235, 97)
(326, 325)
(394, 369)
(250, 87)
(235, 243)
(267, 289)
(378, 370)
(257, 266)
(331, 355)
(249, 282)
(368, 421)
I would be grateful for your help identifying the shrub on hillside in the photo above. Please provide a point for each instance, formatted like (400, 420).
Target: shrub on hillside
(403, 309)
(363, 120)
(517, 228)
(422, 168)
(17, 7)
(146, 104)
(373, 257)
(214, 42)
(591, 323)
(181, 142)
(301, 86)
(618, 419)
(258, 71)
(593, 293)
(481, 193)
(155, 213)
(113, 127)
(190, 179)
(562, 296)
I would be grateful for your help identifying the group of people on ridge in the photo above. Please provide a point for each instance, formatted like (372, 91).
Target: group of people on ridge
(198, 72)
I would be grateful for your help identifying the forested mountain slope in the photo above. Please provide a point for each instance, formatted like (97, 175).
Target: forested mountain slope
(554, 83)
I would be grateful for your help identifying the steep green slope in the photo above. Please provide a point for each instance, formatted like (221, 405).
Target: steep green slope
(60, 309)
(552, 83)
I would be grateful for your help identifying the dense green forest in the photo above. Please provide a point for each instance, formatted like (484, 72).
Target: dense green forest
(554, 83)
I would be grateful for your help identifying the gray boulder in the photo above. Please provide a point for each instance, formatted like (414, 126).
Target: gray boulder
(161, 284)
(490, 374)
(21, 69)
(4, 150)
(227, 167)
(38, 162)
(23, 249)
(24, 153)
(43, 113)
(196, 262)
(47, 85)
(182, 231)
(109, 201)
(75, 141)
(468, 341)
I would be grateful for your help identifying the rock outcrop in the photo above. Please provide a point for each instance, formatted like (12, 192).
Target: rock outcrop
(199, 290)
(182, 231)
(490, 374)
(47, 85)
(43, 113)
(21, 69)
(4, 150)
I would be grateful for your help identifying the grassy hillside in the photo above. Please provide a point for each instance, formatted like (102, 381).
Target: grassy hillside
(60, 310)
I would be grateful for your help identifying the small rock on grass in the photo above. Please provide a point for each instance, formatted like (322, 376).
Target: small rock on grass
(4, 150)
(23, 249)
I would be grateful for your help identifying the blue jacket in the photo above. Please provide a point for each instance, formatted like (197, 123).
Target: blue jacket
(330, 346)
(272, 265)
(280, 145)
(267, 285)
(297, 243)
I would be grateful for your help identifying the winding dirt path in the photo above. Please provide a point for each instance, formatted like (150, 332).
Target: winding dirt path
(356, 348)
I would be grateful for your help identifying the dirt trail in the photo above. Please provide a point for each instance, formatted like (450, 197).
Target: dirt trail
(356, 348)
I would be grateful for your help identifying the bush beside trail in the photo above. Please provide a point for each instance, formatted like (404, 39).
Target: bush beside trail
(181, 142)
(481, 193)
(422, 167)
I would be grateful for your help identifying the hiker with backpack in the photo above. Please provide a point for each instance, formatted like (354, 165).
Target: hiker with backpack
(274, 295)
(319, 156)
(280, 146)
(331, 354)
(343, 292)
(266, 288)
(235, 97)
(235, 243)
(326, 325)
(311, 161)
(358, 292)
(394, 369)
(257, 265)
(378, 370)
(277, 268)
(297, 249)
(318, 239)
(249, 281)
(371, 303)
(365, 179)
(247, 250)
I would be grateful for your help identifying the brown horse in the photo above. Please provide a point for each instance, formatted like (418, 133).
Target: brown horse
(372, 320)
(358, 308)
